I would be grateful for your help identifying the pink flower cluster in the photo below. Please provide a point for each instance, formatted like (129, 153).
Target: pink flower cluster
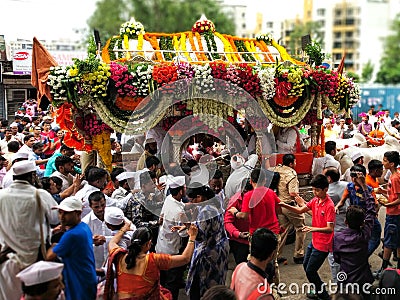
(123, 80)
(93, 126)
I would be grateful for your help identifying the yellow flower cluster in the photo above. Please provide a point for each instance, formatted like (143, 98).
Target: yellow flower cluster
(101, 143)
(295, 77)
(341, 90)
(98, 80)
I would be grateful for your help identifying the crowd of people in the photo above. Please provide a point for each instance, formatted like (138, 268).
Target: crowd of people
(147, 230)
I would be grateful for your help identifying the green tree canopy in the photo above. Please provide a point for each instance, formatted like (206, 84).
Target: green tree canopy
(302, 29)
(367, 71)
(157, 15)
(389, 72)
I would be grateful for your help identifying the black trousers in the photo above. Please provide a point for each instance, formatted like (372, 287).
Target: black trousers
(172, 279)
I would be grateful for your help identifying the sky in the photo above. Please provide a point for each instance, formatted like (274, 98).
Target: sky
(59, 19)
(44, 19)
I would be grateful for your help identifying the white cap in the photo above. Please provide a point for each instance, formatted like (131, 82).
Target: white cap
(14, 124)
(70, 204)
(114, 215)
(23, 167)
(40, 272)
(126, 175)
(20, 155)
(356, 156)
(174, 182)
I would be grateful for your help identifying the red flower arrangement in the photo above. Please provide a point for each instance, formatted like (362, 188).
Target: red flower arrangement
(164, 75)
(326, 81)
(203, 26)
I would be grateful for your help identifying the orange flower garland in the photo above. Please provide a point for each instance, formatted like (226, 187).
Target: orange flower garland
(285, 102)
(127, 103)
(203, 55)
(154, 44)
(193, 46)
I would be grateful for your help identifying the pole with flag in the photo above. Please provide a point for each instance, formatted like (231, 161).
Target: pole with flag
(41, 63)
(341, 64)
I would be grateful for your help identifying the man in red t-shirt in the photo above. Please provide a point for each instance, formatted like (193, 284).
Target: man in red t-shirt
(323, 220)
(260, 206)
(391, 160)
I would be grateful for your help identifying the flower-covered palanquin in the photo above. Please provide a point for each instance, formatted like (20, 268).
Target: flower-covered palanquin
(142, 79)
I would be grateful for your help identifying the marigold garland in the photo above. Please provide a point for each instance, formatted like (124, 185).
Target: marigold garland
(127, 103)
(227, 47)
(285, 102)
(140, 45)
(200, 44)
(154, 44)
(101, 143)
(183, 46)
(193, 47)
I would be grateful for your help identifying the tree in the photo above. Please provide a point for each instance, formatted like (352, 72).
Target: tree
(158, 15)
(108, 17)
(355, 76)
(300, 29)
(367, 71)
(389, 72)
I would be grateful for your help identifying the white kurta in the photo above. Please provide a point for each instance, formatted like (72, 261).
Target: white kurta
(98, 227)
(20, 230)
(170, 242)
(234, 181)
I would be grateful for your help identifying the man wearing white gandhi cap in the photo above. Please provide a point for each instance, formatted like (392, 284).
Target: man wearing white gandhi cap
(42, 281)
(126, 184)
(20, 225)
(172, 214)
(114, 219)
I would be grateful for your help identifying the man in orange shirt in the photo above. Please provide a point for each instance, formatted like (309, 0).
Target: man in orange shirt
(375, 171)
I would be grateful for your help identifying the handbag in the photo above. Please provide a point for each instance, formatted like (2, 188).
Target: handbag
(44, 243)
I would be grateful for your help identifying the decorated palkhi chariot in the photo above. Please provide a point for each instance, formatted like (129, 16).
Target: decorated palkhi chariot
(198, 81)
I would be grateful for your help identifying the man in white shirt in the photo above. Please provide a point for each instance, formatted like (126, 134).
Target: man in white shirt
(101, 234)
(65, 167)
(8, 137)
(114, 219)
(168, 241)
(21, 235)
(29, 140)
(288, 140)
(126, 183)
(319, 164)
(8, 178)
(18, 136)
(241, 169)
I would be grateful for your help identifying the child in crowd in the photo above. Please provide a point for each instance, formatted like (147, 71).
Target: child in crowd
(391, 160)
(323, 220)
(354, 192)
(351, 244)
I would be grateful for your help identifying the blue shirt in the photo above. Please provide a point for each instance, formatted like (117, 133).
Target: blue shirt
(51, 165)
(76, 250)
(356, 195)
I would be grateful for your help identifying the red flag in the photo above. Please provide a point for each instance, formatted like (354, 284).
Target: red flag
(41, 63)
(341, 65)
